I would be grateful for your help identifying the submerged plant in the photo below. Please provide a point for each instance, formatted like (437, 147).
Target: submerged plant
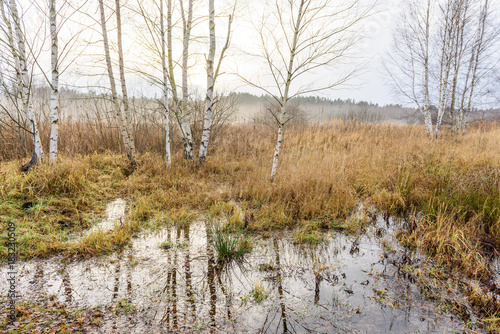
(259, 292)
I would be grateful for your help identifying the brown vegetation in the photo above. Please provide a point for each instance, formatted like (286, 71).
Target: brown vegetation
(453, 183)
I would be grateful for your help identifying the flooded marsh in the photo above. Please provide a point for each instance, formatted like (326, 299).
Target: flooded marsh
(171, 280)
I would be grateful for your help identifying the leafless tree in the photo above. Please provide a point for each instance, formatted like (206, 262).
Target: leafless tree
(445, 47)
(16, 40)
(154, 44)
(299, 38)
(54, 96)
(187, 25)
(122, 115)
(212, 76)
(410, 63)
(165, 86)
(223, 110)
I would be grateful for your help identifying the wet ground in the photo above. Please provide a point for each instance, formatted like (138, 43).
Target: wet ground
(171, 281)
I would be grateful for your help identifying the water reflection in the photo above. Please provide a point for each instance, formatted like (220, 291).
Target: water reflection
(346, 284)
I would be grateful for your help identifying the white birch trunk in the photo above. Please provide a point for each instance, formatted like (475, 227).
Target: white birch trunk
(13, 50)
(54, 96)
(475, 61)
(171, 77)
(427, 104)
(126, 109)
(445, 66)
(207, 124)
(211, 78)
(428, 123)
(165, 88)
(293, 50)
(278, 145)
(185, 121)
(25, 93)
(170, 60)
(114, 95)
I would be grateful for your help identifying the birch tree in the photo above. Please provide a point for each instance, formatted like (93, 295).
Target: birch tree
(11, 80)
(19, 52)
(8, 31)
(154, 42)
(212, 77)
(157, 42)
(120, 115)
(165, 87)
(445, 57)
(447, 47)
(187, 24)
(54, 96)
(297, 39)
(123, 84)
(479, 63)
(410, 62)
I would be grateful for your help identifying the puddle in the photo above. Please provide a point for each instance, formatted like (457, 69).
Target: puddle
(349, 284)
(115, 213)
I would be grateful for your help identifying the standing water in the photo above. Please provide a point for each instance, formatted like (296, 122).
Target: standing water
(172, 282)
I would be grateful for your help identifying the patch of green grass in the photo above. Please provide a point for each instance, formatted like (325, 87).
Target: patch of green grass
(267, 267)
(229, 246)
(166, 245)
(170, 244)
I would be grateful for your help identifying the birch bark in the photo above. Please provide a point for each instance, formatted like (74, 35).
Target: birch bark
(171, 77)
(165, 88)
(114, 95)
(209, 100)
(427, 103)
(37, 155)
(478, 49)
(211, 78)
(54, 96)
(13, 50)
(447, 47)
(297, 28)
(185, 119)
(126, 108)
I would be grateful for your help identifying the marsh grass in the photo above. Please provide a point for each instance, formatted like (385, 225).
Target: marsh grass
(229, 246)
(325, 171)
(310, 233)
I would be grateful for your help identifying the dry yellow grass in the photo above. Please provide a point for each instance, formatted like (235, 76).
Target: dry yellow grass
(324, 172)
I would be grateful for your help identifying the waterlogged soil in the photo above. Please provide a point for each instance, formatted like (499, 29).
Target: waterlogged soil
(170, 281)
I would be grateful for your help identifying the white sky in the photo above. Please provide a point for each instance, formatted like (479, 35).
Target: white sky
(371, 85)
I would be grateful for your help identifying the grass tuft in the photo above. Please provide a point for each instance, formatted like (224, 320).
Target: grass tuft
(229, 246)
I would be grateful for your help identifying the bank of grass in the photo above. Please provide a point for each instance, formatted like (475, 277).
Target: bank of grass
(324, 173)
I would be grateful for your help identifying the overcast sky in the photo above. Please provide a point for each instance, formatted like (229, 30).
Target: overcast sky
(371, 85)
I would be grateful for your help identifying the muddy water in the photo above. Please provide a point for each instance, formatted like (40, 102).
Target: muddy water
(349, 284)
